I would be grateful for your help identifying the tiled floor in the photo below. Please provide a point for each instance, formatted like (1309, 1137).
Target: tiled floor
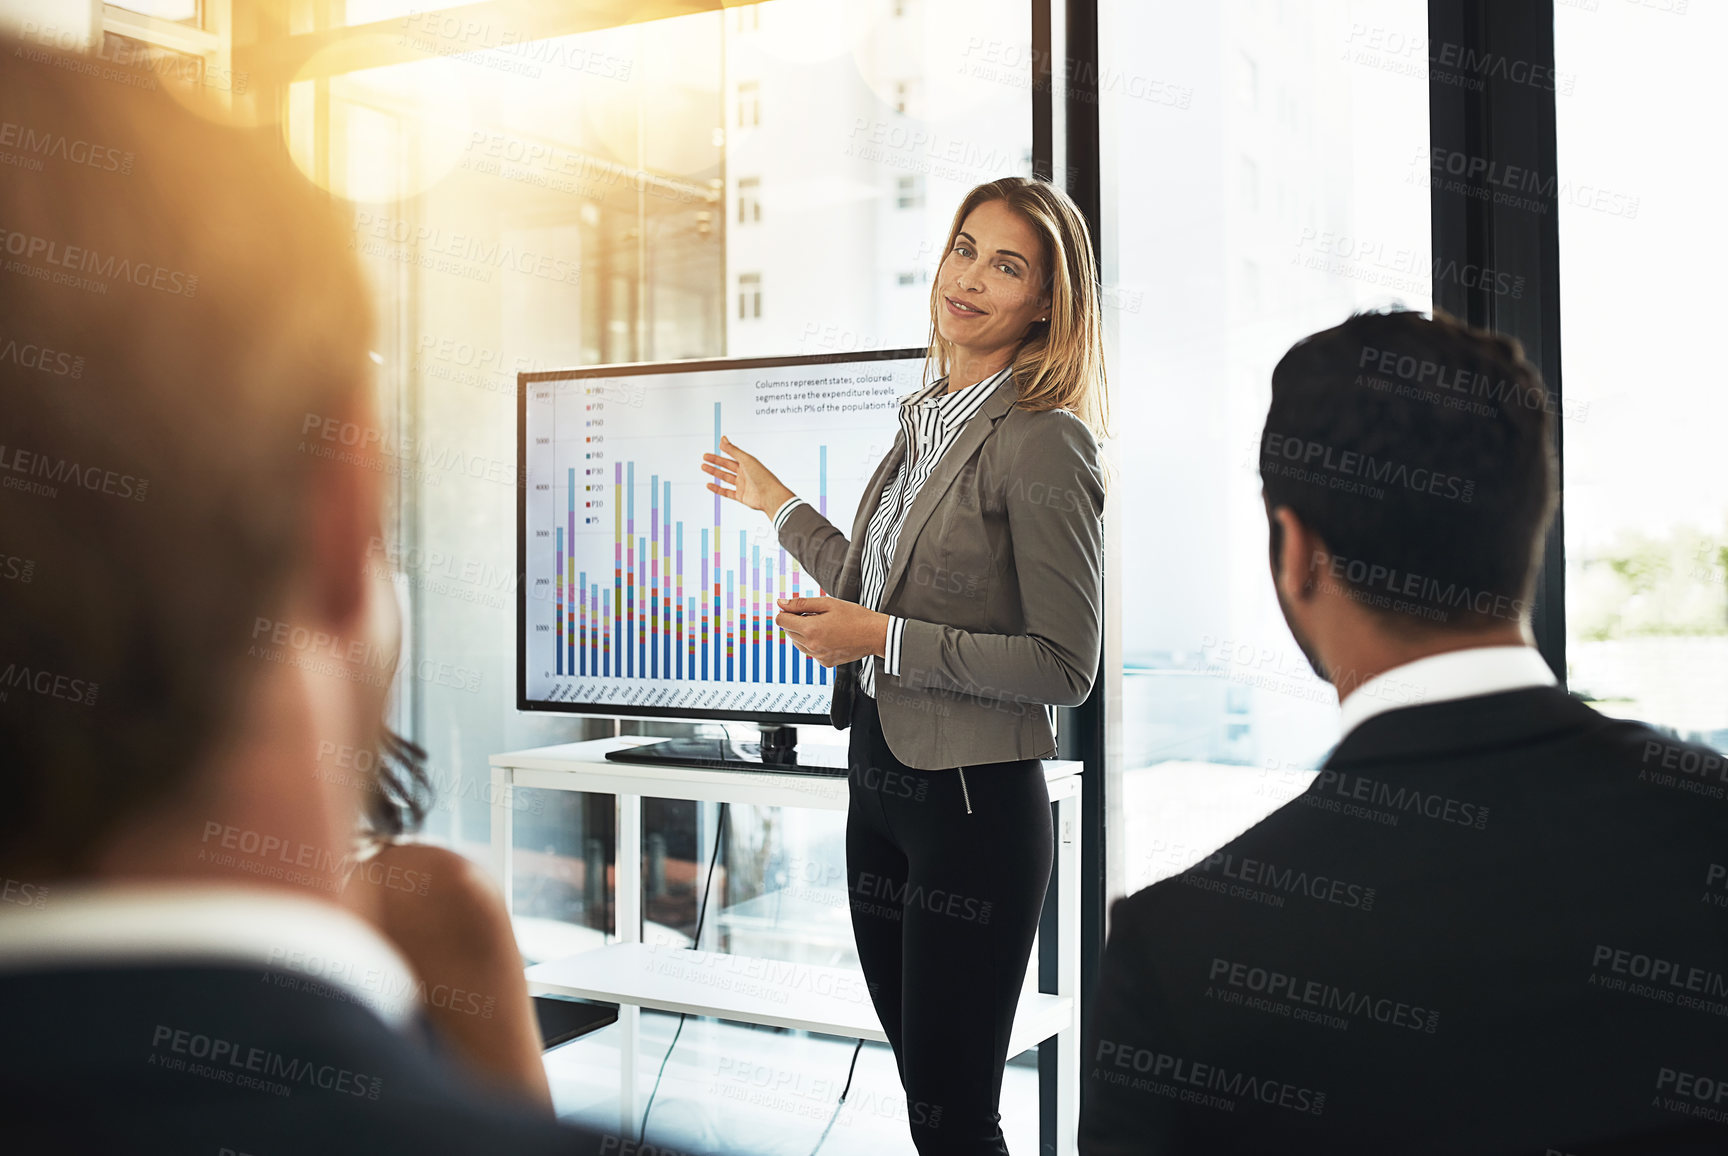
(730, 1088)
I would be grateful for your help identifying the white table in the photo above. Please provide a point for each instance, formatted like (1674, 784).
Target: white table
(744, 989)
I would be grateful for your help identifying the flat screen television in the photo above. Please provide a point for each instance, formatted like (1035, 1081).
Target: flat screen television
(644, 594)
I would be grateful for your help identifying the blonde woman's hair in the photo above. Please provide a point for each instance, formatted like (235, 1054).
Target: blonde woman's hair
(1060, 364)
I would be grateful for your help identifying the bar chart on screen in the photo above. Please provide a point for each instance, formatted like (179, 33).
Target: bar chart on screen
(646, 591)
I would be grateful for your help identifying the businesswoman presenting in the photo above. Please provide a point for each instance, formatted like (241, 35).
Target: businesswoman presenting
(966, 602)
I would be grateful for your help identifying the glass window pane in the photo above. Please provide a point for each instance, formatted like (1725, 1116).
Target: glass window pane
(1264, 174)
(514, 219)
(859, 132)
(1642, 239)
(772, 180)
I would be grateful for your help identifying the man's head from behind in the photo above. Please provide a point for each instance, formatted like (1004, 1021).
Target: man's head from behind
(175, 322)
(1408, 478)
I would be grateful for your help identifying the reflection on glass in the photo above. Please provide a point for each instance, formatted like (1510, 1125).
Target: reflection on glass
(786, 897)
(561, 871)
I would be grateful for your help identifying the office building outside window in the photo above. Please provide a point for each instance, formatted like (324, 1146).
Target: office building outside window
(749, 296)
(906, 97)
(749, 104)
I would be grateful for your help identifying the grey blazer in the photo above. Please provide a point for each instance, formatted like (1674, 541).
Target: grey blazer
(999, 574)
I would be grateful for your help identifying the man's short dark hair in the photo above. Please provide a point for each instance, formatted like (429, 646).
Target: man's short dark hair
(175, 300)
(1420, 451)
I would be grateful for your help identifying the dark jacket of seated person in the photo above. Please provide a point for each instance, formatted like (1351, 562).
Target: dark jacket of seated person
(1495, 924)
(230, 1020)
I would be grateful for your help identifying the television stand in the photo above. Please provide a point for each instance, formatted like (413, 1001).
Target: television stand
(776, 751)
(635, 973)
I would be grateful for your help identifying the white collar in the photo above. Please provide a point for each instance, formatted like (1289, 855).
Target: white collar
(959, 405)
(929, 389)
(1438, 677)
(119, 924)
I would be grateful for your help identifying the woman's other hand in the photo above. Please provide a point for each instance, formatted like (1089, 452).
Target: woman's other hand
(745, 479)
(833, 630)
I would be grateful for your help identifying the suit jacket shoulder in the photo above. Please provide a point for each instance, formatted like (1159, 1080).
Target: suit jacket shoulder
(1021, 428)
(201, 1058)
(1484, 927)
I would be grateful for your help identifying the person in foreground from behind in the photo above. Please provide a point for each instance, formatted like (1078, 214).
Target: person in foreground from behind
(187, 648)
(1494, 922)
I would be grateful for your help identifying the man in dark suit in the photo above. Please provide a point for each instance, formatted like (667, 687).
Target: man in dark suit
(1495, 921)
(190, 650)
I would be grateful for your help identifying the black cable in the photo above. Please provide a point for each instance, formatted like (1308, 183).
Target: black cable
(701, 914)
(842, 1103)
(850, 1070)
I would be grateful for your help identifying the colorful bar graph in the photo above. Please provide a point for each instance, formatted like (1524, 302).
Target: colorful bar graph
(617, 608)
(669, 634)
(558, 620)
(645, 624)
(652, 553)
(680, 597)
(570, 534)
(707, 611)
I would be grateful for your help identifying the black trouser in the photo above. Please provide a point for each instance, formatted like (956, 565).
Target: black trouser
(945, 905)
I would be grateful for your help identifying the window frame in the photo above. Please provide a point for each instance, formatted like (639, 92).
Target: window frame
(1505, 124)
(209, 37)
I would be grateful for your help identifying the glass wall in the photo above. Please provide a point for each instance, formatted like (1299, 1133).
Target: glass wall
(1265, 174)
(770, 179)
(520, 207)
(1642, 242)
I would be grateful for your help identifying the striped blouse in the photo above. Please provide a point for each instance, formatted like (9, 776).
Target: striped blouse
(932, 420)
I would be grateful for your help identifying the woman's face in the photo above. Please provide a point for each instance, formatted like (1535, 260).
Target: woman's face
(989, 286)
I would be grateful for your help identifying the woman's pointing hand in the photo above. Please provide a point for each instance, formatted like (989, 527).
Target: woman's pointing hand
(745, 479)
